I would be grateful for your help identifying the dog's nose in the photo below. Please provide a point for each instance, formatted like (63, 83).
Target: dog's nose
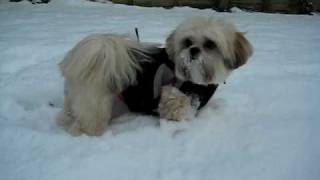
(194, 51)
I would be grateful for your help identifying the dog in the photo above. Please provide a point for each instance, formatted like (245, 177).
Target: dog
(103, 68)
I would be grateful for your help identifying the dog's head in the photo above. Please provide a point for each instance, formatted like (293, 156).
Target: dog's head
(206, 51)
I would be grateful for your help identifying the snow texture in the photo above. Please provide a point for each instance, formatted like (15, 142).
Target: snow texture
(262, 124)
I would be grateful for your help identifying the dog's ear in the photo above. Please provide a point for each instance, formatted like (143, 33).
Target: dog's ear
(170, 45)
(242, 50)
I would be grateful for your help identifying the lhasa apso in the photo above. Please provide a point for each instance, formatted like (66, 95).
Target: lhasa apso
(173, 82)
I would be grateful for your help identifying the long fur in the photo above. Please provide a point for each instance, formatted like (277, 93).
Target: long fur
(95, 71)
(101, 66)
(102, 60)
(229, 50)
(212, 66)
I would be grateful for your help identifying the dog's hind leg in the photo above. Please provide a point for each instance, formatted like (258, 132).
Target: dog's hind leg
(66, 118)
(92, 110)
(96, 69)
(87, 109)
(68, 123)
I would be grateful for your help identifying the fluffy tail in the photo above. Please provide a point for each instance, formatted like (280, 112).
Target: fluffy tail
(103, 60)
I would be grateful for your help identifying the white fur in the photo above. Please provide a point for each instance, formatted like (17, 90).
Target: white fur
(213, 65)
(103, 61)
(95, 70)
(101, 66)
(174, 105)
(213, 61)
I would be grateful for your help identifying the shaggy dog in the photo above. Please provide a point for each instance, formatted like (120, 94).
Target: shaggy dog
(103, 68)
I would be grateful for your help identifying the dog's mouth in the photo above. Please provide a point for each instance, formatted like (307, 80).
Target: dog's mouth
(185, 72)
(182, 73)
(191, 69)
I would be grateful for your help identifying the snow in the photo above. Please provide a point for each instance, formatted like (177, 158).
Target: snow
(263, 124)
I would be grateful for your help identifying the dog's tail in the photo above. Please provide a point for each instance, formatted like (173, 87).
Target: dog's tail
(104, 60)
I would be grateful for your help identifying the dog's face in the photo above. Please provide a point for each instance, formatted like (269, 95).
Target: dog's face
(205, 51)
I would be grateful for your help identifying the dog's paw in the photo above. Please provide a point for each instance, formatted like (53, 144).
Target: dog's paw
(174, 105)
(76, 127)
(68, 123)
(94, 128)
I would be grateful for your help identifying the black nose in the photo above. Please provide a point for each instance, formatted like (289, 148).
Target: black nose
(194, 51)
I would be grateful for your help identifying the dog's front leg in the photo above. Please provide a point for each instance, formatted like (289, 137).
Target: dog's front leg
(174, 105)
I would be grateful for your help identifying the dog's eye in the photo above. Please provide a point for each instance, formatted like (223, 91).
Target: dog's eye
(208, 44)
(187, 42)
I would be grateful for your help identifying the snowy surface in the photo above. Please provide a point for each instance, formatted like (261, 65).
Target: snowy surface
(262, 125)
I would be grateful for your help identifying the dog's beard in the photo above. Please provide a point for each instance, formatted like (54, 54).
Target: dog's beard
(190, 69)
(203, 69)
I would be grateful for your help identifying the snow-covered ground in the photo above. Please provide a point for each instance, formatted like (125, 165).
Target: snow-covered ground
(262, 125)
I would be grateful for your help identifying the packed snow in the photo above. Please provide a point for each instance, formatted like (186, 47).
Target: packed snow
(262, 124)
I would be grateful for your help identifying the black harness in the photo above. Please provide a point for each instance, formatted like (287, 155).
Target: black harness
(144, 96)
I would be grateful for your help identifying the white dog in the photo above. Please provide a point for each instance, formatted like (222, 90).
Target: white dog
(103, 68)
